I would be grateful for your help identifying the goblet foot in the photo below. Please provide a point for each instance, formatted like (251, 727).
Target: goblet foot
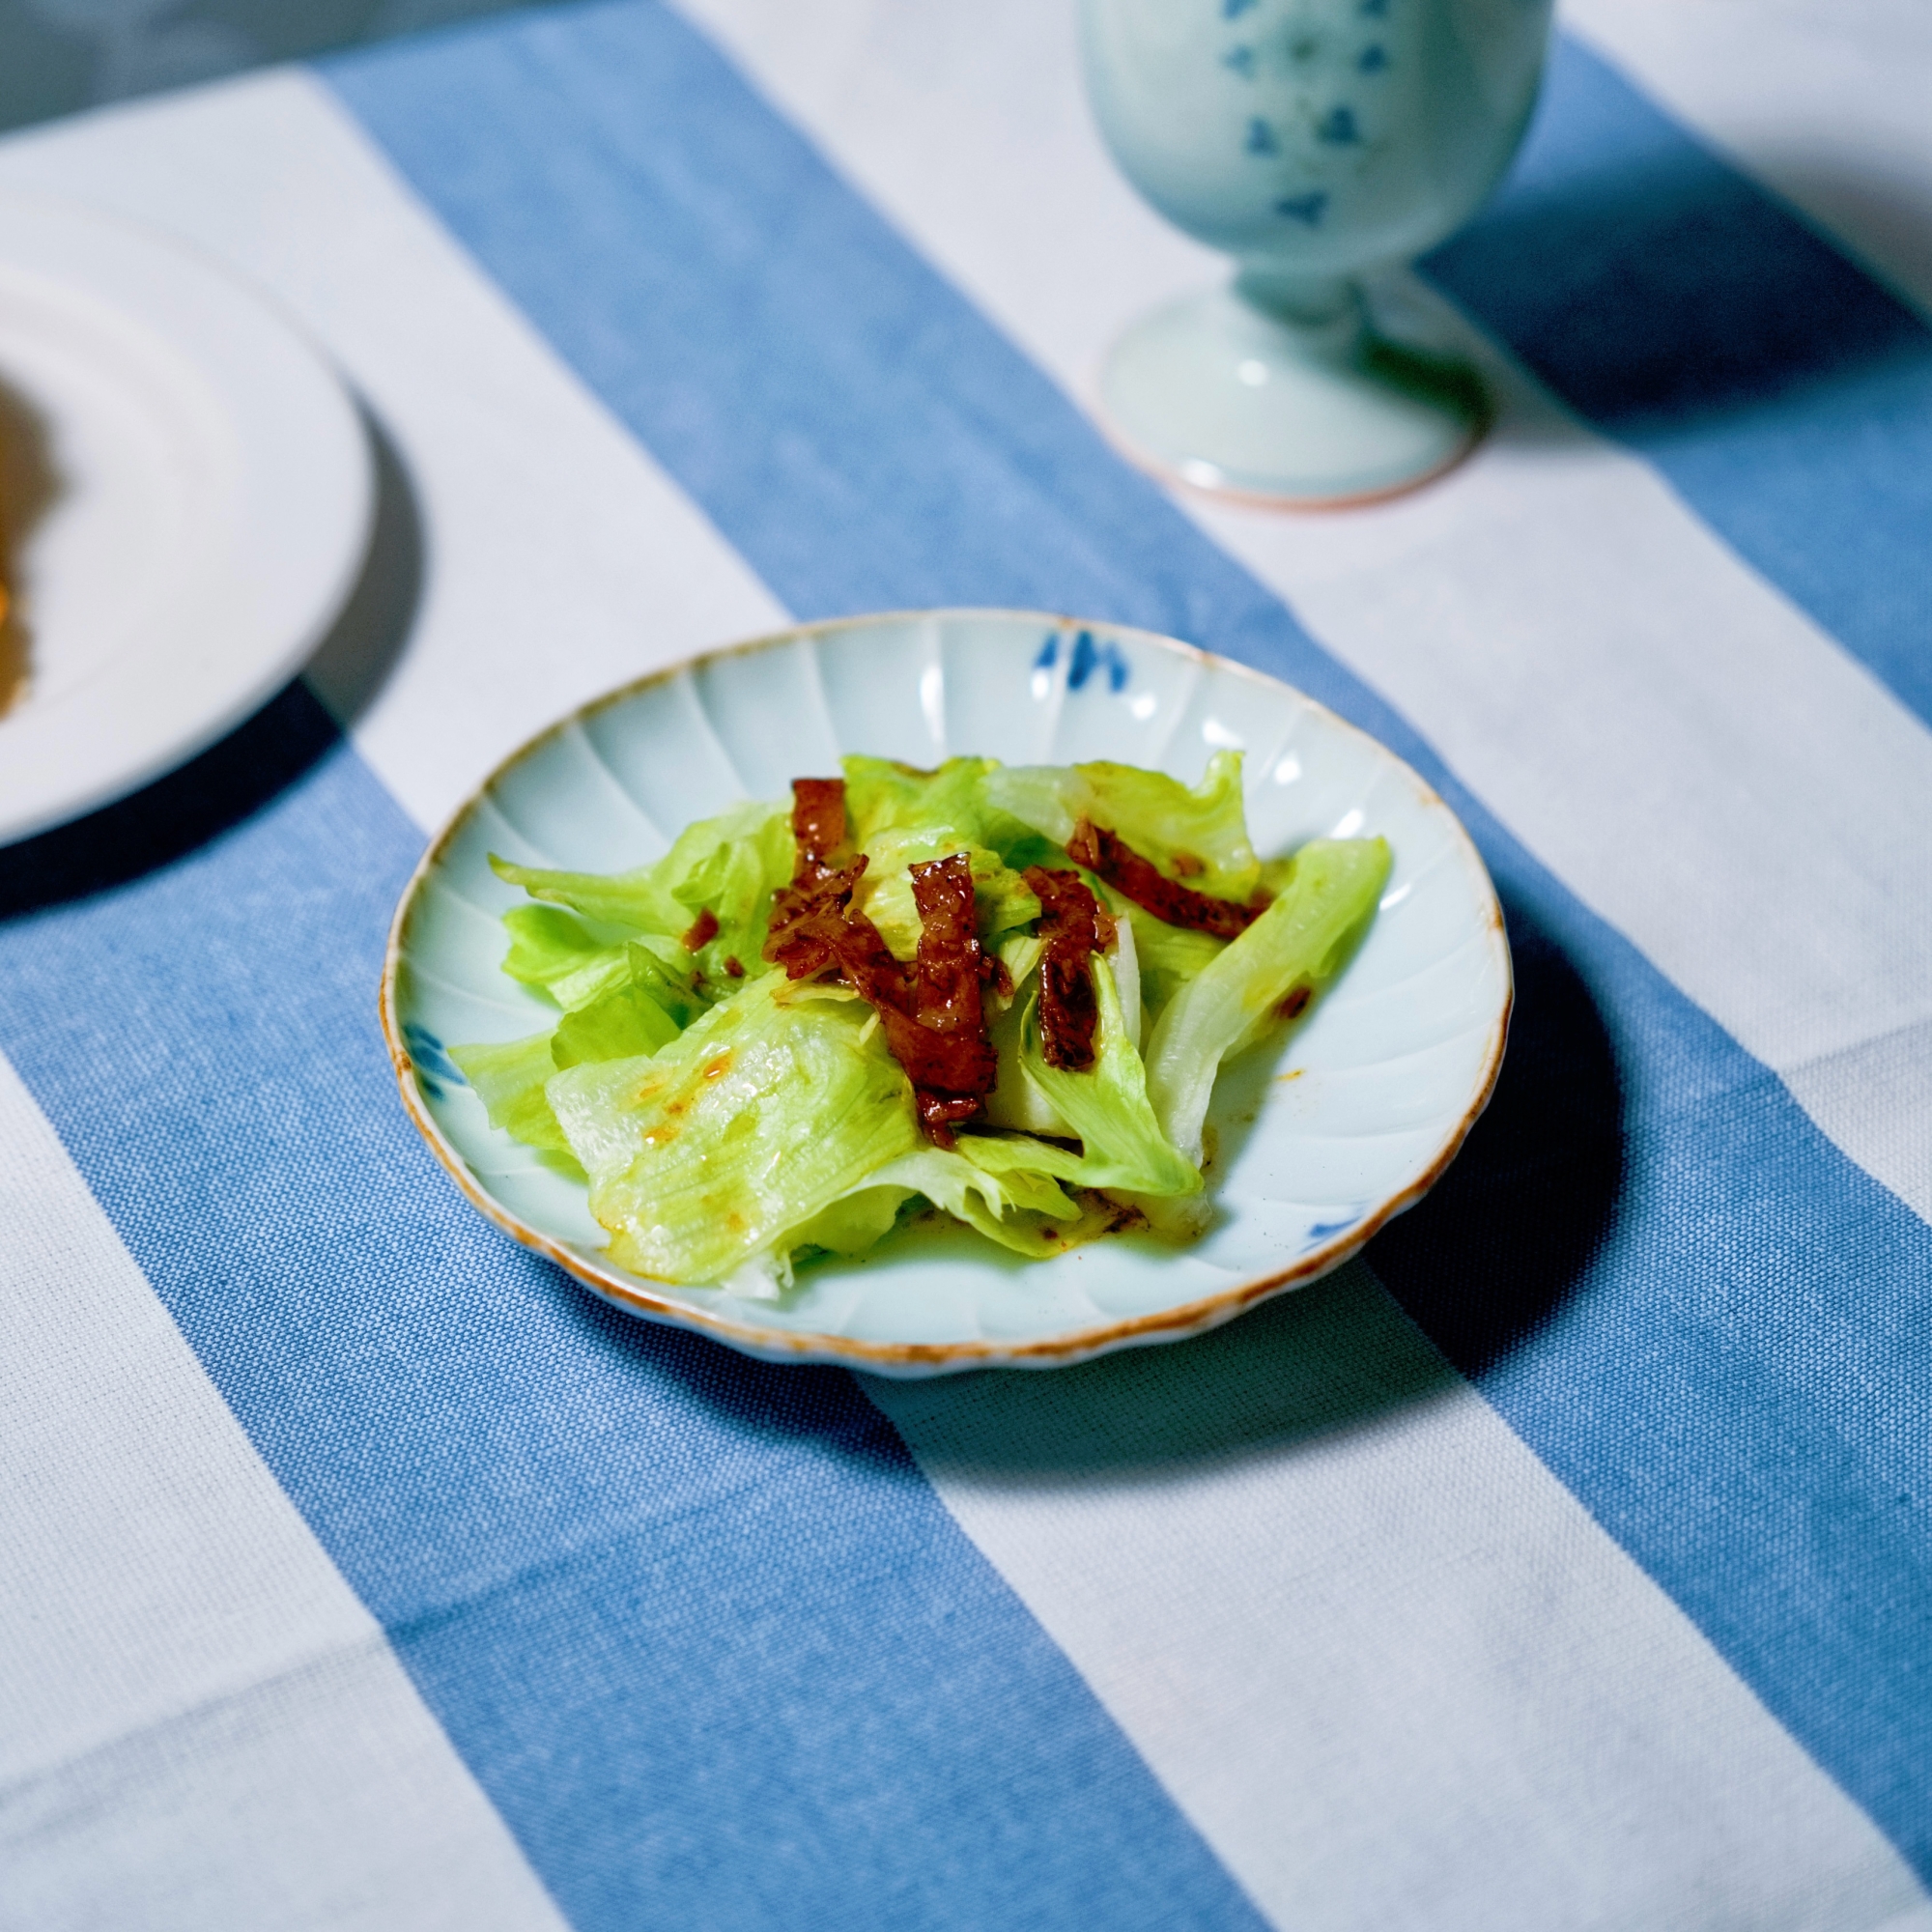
(1301, 406)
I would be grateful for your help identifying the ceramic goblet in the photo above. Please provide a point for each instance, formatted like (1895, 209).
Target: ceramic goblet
(1315, 141)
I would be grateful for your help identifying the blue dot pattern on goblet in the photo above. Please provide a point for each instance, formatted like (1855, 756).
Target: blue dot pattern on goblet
(1319, 57)
(1336, 134)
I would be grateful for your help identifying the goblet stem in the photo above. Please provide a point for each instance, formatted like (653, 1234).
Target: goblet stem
(1306, 302)
(1277, 388)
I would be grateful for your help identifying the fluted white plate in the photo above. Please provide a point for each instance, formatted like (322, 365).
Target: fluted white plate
(196, 490)
(1322, 1134)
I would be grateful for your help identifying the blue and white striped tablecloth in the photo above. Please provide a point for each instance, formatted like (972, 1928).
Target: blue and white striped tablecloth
(1567, 1562)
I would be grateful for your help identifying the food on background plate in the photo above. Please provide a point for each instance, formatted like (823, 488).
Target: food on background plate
(13, 632)
(1003, 992)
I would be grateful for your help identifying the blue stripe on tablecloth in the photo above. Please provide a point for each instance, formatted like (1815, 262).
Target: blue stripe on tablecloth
(704, 1634)
(1786, 396)
(1704, 1317)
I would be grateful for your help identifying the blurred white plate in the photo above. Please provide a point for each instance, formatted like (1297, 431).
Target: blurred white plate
(1323, 1133)
(196, 492)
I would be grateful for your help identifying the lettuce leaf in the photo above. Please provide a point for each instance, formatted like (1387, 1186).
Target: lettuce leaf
(735, 881)
(1124, 957)
(1204, 826)
(627, 1020)
(728, 864)
(882, 795)
(1002, 898)
(758, 1117)
(1016, 1100)
(1022, 1210)
(631, 902)
(668, 985)
(647, 1008)
(900, 818)
(1168, 955)
(554, 953)
(1020, 954)
(1025, 1213)
(509, 1078)
(644, 1009)
(849, 1225)
(1302, 941)
(1106, 1105)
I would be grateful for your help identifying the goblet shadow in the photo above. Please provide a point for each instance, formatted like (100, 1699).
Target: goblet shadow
(236, 778)
(30, 485)
(1469, 1274)
(1659, 290)
(1883, 214)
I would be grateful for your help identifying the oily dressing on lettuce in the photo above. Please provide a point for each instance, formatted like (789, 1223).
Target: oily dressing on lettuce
(1001, 993)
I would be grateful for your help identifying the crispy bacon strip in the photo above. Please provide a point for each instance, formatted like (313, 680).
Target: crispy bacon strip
(819, 927)
(818, 821)
(932, 1016)
(808, 929)
(808, 916)
(1152, 890)
(947, 1052)
(1074, 929)
(952, 967)
(703, 930)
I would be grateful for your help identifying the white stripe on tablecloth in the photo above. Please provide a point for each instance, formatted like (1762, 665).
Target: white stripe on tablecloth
(195, 1710)
(1825, 105)
(1532, 1672)
(1658, 724)
(556, 560)
(1821, 100)
(1440, 1695)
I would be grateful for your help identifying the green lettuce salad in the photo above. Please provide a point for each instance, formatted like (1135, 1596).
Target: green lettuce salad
(1000, 992)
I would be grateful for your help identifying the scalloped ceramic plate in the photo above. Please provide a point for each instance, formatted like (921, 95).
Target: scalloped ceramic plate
(1321, 1136)
(195, 492)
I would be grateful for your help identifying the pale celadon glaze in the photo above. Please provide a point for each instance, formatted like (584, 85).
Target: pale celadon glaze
(1315, 141)
(1322, 1133)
